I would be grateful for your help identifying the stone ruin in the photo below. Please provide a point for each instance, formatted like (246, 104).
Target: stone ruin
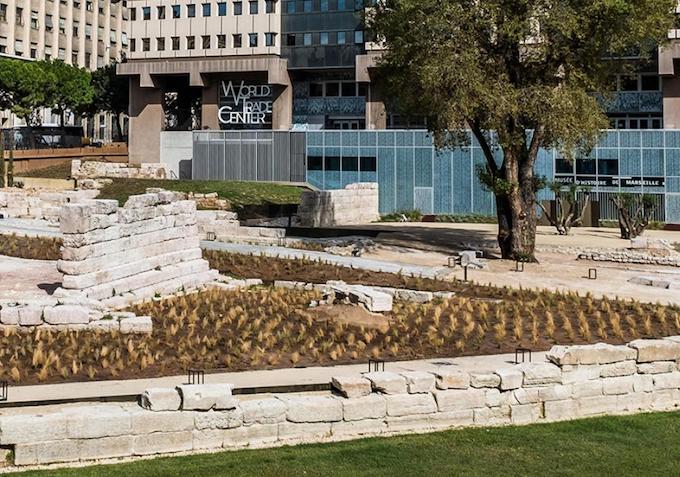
(355, 204)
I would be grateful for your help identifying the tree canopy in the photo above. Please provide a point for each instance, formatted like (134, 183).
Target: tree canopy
(520, 74)
(111, 93)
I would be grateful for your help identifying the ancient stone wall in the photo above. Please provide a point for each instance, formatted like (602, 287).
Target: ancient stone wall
(355, 204)
(117, 170)
(579, 381)
(119, 255)
(39, 204)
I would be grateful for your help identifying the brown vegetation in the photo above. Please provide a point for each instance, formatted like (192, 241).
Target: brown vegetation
(36, 248)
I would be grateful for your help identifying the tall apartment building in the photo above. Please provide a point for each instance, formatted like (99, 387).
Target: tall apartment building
(86, 33)
(307, 66)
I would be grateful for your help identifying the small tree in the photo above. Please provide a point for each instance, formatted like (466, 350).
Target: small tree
(71, 89)
(568, 211)
(111, 94)
(635, 212)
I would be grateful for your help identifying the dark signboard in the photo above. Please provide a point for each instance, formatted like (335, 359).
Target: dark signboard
(245, 105)
(616, 181)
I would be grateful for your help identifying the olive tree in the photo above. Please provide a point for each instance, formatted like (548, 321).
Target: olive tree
(520, 74)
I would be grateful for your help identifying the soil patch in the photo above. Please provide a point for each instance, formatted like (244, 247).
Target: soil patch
(355, 315)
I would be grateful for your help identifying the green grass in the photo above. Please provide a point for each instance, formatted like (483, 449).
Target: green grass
(645, 444)
(238, 193)
(57, 171)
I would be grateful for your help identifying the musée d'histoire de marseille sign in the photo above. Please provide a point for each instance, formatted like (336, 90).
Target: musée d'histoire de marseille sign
(245, 105)
(614, 181)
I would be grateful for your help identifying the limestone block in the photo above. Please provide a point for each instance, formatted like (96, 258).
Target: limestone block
(263, 411)
(643, 383)
(251, 436)
(162, 443)
(665, 399)
(510, 378)
(218, 419)
(66, 315)
(91, 422)
(142, 200)
(561, 410)
(304, 432)
(367, 407)
(667, 380)
(488, 416)
(657, 367)
(555, 392)
(409, 404)
(525, 413)
(136, 325)
(635, 402)
(619, 385)
(30, 315)
(207, 439)
(27, 428)
(655, 350)
(459, 399)
(372, 299)
(387, 382)
(600, 353)
(9, 315)
(452, 379)
(419, 381)
(145, 422)
(580, 373)
(540, 374)
(589, 406)
(496, 398)
(366, 427)
(446, 420)
(161, 399)
(107, 325)
(588, 388)
(47, 452)
(203, 397)
(105, 448)
(525, 396)
(622, 368)
(312, 408)
(484, 380)
(410, 423)
(351, 386)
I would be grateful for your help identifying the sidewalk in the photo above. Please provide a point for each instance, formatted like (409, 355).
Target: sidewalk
(253, 379)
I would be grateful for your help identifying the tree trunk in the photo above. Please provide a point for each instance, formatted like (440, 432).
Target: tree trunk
(517, 220)
(119, 128)
(10, 165)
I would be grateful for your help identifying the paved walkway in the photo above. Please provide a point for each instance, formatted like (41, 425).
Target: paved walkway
(253, 379)
(353, 262)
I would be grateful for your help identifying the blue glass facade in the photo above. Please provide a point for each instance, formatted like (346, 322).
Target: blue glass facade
(412, 174)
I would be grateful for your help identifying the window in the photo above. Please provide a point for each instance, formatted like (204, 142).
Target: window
(191, 10)
(133, 14)
(222, 9)
(113, 38)
(238, 8)
(191, 42)
(362, 90)
(341, 38)
(290, 6)
(62, 25)
(175, 43)
(316, 90)
(650, 83)
(350, 164)
(3, 12)
(253, 7)
(221, 41)
(146, 13)
(368, 164)
(160, 44)
(176, 11)
(34, 20)
(88, 6)
(270, 39)
(161, 12)
(315, 163)
(88, 59)
(237, 40)
(146, 44)
(307, 6)
(564, 166)
(349, 89)
(76, 26)
(290, 39)
(20, 16)
(307, 39)
(332, 163)
(628, 83)
(74, 57)
(358, 36)
(270, 6)
(88, 31)
(252, 40)
(205, 42)
(585, 166)
(323, 38)
(324, 5)
(333, 89)
(133, 45)
(358, 4)
(206, 10)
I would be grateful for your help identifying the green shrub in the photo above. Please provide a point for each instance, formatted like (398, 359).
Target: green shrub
(467, 219)
(411, 216)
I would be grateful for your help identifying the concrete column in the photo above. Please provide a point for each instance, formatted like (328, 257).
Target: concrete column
(376, 115)
(210, 106)
(282, 115)
(671, 102)
(145, 123)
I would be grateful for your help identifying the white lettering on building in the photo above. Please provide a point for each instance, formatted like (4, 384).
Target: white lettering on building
(250, 103)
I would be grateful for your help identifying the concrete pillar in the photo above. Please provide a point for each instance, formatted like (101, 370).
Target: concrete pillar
(671, 102)
(210, 106)
(376, 115)
(282, 115)
(145, 123)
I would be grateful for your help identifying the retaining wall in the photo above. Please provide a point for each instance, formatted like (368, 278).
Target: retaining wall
(120, 255)
(579, 381)
(39, 204)
(116, 170)
(355, 204)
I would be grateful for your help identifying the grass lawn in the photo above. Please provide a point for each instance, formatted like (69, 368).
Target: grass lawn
(57, 171)
(645, 444)
(238, 193)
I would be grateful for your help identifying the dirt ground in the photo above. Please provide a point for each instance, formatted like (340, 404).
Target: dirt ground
(27, 279)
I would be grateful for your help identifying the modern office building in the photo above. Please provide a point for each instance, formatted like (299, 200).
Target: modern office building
(86, 33)
(282, 90)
